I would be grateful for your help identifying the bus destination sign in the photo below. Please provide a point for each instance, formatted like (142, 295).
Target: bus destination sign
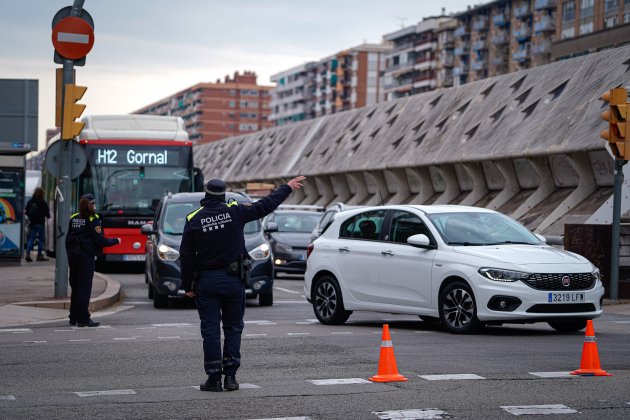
(130, 156)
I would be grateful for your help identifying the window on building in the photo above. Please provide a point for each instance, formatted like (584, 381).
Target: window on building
(611, 6)
(610, 21)
(568, 11)
(232, 92)
(586, 27)
(586, 9)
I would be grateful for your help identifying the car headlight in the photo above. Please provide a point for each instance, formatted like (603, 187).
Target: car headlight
(498, 274)
(596, 275)
(280, 247)
(261, 252)
(166, 253)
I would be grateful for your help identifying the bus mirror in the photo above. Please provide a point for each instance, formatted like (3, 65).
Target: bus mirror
(147, 229)
(199, 184)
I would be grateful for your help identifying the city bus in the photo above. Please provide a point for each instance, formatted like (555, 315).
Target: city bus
(132, 162)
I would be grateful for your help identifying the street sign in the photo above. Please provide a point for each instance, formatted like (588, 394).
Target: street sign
(77, 164)
(73, 37)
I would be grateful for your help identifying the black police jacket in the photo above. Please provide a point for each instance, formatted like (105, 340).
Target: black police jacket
(213, 234)
(86, 235)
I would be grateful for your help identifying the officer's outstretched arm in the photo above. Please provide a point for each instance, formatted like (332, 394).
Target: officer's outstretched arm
(97, 235)
(265, 205)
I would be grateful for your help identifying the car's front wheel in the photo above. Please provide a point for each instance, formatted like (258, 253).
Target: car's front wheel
(328, 302)
(159, 301)
(571, 325)
(458, 310)
(265, 299)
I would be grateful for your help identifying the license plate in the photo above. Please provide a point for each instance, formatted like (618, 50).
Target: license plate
(565, 297)
(133, 257)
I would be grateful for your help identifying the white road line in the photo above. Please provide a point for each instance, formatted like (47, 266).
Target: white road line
(298, 333)
(306, 322)
(255, 335)
(183, 324)
(518, 410)
(261, 322)
(124, 338)
(451, 377)
(291, 301)
(66, 330)
(7, 397)
(101, 393)
(36, 342)
(16, 330)
(81, 339)
(344, 381)
(145, 328)
(419, 413)
(175, 337)
(286, 290)
(553, 374)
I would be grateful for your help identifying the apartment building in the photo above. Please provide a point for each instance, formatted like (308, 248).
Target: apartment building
(412, 65)
(445, 52)
(213, 111)
(346, 80)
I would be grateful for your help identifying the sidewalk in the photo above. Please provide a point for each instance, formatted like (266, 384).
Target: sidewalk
(28, 292)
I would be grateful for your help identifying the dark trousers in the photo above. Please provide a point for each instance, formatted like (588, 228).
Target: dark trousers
(35, 231)
(220, 297)
(81, 276)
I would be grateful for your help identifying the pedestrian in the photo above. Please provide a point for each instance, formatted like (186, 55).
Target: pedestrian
(212, 244)
(84, 242)
(37, 211)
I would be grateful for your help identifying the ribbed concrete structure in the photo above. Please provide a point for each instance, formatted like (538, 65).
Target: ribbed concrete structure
(526, 144)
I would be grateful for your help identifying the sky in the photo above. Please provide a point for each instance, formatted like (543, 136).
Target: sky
(145, 50)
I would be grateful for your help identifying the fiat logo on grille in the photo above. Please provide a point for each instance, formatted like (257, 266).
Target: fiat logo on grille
(566, 281)
(136, 245)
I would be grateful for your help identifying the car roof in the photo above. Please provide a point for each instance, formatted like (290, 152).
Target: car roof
(197, 196)
(427, 209)
(301, 212)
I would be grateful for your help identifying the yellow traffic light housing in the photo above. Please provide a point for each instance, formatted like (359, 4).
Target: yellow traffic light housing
(617, 134)
(71, 111)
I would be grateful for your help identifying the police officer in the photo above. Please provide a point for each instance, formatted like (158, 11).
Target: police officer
(84, 242)
(212, 241)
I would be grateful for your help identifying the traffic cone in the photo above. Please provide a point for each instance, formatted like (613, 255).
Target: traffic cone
(387, 370)
(589, 366)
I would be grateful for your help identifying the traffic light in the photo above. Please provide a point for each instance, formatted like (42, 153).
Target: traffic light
(617, 134)
(71, 111)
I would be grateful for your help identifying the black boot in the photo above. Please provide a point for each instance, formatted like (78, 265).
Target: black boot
(212, 385)
(230, 383)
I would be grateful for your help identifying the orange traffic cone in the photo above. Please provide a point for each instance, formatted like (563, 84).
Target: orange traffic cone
(589, 366)
(387, 370)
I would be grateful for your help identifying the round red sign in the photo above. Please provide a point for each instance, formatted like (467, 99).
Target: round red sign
(73, 37)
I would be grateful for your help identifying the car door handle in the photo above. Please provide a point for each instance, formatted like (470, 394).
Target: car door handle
(390, 253)
(344, 249)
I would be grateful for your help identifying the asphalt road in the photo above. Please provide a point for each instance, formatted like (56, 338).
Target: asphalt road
(144, 363)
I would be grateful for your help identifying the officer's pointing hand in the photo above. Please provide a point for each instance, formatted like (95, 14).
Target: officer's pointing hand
(296, 183)
(190, 294)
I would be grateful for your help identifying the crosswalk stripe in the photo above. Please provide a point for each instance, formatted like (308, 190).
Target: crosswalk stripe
(7, 397)
(345, 381)
(420, 413)
(518, 410)
(102, 393)
(16, 330)
(553, 374)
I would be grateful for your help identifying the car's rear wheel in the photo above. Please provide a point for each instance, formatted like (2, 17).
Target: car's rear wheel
(458, 310)
(265, 299)
(159, 301)
(570, 325)
(328, 302)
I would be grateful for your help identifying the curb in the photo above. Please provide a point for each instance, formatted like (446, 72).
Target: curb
(109, 297)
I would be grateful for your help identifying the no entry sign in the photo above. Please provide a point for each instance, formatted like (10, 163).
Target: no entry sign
(73, 37)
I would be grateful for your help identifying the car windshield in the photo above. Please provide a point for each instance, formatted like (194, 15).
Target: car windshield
(476, 228)
(297, 222)
(175, 218)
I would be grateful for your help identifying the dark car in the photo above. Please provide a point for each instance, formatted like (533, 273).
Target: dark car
(289, 233)
(164, 236)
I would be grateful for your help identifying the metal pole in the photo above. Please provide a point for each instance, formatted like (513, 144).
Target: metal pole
(64, 183)
(616, 230)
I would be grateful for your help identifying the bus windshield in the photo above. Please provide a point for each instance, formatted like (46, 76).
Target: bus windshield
(134, 182)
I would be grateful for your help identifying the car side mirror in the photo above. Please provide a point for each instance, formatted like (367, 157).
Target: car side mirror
(271, 227)
(542, 238)
(420, 241)
(147, 229)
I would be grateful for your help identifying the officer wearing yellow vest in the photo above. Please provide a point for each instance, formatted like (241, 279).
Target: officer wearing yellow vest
(212, 244)
(84, 242)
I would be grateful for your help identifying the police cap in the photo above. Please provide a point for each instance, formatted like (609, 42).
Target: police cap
(89, 197)
(215, 187)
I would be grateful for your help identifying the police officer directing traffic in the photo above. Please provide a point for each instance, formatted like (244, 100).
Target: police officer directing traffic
(212, 243)
(84, 242)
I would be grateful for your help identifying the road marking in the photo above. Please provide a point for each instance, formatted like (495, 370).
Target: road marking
(286, 290)
(552, 374)
(298, 333)
(175, 337)
(16, 330)
(291, 301)
(458, 376)
(124, 338)
(7, 397)
(307, 322)
(36, 342)
(420, 413)
(182, 324)
(285, 418)
(255, 335)
(261, 322)
(518, 410)
(82, 339)
(345, 381)
(101, 393)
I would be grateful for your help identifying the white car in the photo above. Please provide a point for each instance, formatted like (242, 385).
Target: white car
(466, 266)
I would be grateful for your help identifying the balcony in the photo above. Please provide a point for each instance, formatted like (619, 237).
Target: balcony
(500, 39)
(461, 31)
(545, 24)
(498, 61)
(478, 65)
(480, 45)
(463, 50)
(542, 48)
(521, 12)
(500, 20)
(402, 46)
(521, 55)
(480, 25)
(545, 4)
(461, 69)
(522, 34)
(399, 83)
(448, 61)
(399, 66)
